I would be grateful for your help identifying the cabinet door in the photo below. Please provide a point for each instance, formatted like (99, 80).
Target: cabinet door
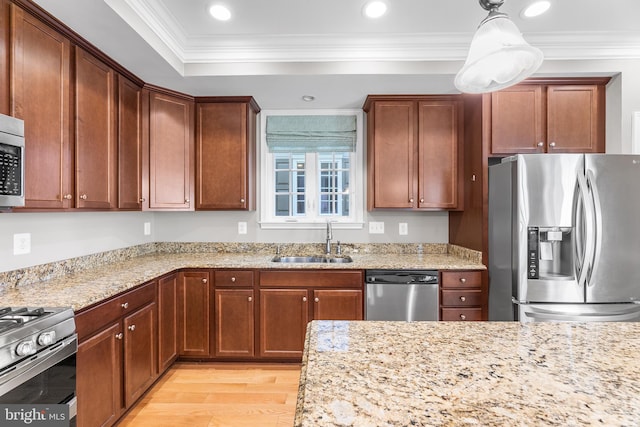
(95, 133)
(129, 145)
(99, 378)
(139, 352)
(284, 314)
(225, 146)
(193, 314)
(234, 322)
(518, 120)
(171, 154)
(391, 155)
(40, 95)
(439, 148)
(342, 304)
(575, 123)
(5, 34)
(167, 321)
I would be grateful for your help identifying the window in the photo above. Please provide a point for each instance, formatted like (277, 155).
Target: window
(311, 169)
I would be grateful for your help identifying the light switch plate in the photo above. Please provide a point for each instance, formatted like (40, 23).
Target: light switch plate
(147, 228)
(403, 229)
(21, 243)
(376, 227)
(242, 227)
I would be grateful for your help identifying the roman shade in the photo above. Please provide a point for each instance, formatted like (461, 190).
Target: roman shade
(317, 133)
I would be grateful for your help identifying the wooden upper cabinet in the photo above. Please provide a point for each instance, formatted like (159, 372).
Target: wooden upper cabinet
(41, 96)
(560, 117)
(226, 153)
(414, 154)
(129, 145)
(95, 133)
(5, 47)
(440, 141)
(171, 152)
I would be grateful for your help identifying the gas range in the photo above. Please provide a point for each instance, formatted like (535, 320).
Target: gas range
(27, 331)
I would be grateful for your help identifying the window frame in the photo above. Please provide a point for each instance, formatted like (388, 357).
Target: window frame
(268, 220)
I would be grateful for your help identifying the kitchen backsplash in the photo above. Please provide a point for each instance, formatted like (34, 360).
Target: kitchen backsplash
(30, 275)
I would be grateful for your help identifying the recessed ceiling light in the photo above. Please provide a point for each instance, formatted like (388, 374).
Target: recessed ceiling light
(308, 98)
(220, 12)
(374, 9)
(535, 9)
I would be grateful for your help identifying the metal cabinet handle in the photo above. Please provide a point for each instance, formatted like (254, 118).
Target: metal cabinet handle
(317, 299)
(119, 336)
(463, 298)
(142, 200)
(187, 201)
(411, 200)
(83, 196)
(463, 317)
(125, 305)
(250, 299)
(241, 200)
(540, 144)
(552, 144)
(304, 299)
(204, 280)
(67, 196)
(421, 200)
(132, 327)
(233, 279)
(463, 280)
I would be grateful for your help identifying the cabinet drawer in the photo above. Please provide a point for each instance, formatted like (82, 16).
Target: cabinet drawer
(233, 278)
(461, 298)
(95, 318)
(312, 278)
(461, 314)
(461, 279)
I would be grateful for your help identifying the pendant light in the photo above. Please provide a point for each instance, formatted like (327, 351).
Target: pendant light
(499, 56)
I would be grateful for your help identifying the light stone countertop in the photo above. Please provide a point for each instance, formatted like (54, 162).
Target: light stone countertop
(470, 374)
(89, 286)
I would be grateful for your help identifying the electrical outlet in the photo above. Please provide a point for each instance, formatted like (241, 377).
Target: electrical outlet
(242, 227)
(147, 228)
(376, 227)
(21, 243)
(403, 229)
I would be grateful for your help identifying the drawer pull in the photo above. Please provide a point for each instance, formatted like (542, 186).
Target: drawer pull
(317, 299)
(463, 280)
(125, 305)
(250, 299)
(67, 197)
(463, 317)
(304, 299)
(119, 336)
(132, 328)
(463, 298)
(233, 279)
(204, 280)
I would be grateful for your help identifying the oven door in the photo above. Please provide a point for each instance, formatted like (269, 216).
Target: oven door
(48, 377)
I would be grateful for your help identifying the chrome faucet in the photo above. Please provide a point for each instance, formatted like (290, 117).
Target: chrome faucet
(329, 237)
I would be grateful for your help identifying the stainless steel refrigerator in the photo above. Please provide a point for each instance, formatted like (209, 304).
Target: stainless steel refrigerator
(564, 238)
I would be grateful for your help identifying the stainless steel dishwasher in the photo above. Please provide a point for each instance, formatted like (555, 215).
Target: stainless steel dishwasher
(407, 295)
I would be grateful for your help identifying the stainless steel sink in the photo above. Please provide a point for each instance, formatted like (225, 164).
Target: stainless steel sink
(311, 259)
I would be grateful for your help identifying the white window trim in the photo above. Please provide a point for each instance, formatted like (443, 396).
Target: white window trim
(266, 180)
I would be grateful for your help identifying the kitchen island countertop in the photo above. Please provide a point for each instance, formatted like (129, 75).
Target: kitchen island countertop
(470, 374)
(83, 288)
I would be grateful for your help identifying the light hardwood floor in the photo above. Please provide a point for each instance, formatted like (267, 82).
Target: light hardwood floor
(238, 395)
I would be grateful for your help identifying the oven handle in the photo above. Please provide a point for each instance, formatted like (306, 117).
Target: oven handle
(38, 363)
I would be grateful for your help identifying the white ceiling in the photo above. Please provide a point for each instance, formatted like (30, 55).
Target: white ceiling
(279, 50)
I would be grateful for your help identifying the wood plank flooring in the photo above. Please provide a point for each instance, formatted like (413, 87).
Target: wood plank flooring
(207, 395)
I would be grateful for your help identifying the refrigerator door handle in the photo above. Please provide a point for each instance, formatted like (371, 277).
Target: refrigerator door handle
(587, 239)
(623, 315)
(597, 214)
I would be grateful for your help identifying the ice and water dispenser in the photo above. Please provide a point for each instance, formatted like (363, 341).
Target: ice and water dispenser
(550, 253)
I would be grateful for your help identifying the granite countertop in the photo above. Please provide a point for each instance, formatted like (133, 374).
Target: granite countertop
(470, 374)
(88, 286)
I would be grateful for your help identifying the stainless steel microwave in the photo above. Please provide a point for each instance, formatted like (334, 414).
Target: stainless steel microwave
(11, 161)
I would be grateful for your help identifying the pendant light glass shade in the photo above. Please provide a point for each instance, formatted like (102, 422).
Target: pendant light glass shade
(499, 57)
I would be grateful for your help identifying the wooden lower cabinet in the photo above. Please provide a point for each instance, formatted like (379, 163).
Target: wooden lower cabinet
(117, 357)
(284, 314)
(337, 304)
(99, 377)
(234, 323)
(167, 321)
(194, 311)
(461, 296)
